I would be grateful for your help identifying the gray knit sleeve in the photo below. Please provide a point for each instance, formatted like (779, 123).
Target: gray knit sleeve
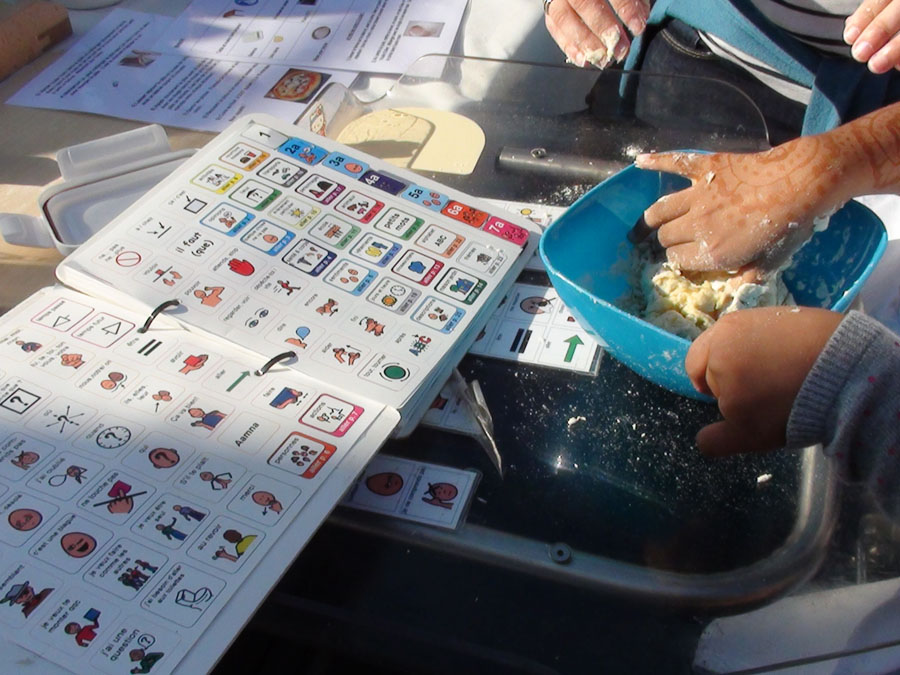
(850, 403)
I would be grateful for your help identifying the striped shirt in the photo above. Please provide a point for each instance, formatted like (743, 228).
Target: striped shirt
(819, 23)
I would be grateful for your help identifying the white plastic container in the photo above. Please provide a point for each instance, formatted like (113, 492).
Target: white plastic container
(101, 179)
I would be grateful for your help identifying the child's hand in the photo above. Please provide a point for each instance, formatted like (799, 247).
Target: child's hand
(745, 211)
(754, 362)
(873, 31)
(591, 31)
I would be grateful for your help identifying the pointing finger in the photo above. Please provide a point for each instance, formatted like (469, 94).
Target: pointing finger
(682, 163)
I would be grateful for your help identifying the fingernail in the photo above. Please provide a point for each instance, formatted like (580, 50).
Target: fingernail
(851, 32)
(575, 58)
(621, 51)
(862, 51)
(637, 25)
(879, 63)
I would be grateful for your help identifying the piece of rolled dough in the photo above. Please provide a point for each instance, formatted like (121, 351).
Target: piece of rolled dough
(422, 139)
(392, 135)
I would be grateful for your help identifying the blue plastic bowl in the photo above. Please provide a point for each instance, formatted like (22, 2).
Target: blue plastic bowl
(586, 254)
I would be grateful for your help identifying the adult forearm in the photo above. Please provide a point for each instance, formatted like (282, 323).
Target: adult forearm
(869, 152)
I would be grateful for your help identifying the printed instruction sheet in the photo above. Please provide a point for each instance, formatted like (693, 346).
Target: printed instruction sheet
(116, 70)
(383, 36)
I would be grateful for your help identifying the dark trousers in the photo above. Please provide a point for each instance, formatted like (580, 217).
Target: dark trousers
(676, 49)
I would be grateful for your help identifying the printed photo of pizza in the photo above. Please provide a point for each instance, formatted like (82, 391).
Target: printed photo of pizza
(298, 85)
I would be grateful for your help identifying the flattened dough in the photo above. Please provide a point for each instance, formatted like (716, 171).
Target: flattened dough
(421, 139)
(393, 135)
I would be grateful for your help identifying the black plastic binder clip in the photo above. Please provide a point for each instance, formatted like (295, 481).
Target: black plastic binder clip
(162, 307)
(275, 359)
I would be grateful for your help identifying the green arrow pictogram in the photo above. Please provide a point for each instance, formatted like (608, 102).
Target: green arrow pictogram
(246, 373)
(573, 341)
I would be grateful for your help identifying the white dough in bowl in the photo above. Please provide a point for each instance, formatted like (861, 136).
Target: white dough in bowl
(686, 304)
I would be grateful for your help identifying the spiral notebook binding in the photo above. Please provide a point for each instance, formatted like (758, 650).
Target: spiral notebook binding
(161, 307)
(284, 356)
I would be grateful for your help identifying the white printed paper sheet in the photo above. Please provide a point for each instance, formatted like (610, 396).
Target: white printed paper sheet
(116, 70)
(417, 491)
(532, 325)
(383, 36)
(144, 476)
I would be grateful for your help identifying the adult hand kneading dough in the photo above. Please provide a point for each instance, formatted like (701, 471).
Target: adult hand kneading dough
(422, 139)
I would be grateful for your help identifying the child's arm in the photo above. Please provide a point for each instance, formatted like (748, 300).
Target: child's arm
(851, 402)
(797, 378)
(752, 211)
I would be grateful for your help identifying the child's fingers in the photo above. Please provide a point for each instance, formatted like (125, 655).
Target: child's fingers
(857, 22)
(697, 360)
(887, 57)
(721, 439)
(884, 24)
